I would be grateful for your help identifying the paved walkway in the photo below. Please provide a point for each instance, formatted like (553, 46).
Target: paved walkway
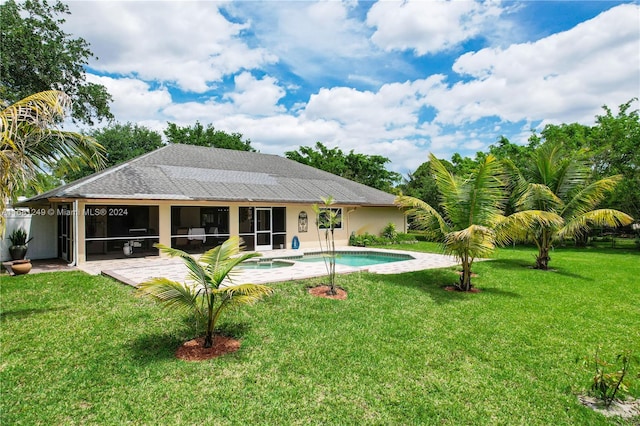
(135, 271)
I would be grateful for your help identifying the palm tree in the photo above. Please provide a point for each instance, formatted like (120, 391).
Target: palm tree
(326, 220)
(473, 222)
(561, 184)
(209, 288)
(31, 142)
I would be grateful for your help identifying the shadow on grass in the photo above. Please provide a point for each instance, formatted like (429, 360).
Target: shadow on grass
(565, 274)
(518, 264)
(510, 264)
(24, 313)
(153, 347)
(235, 330)
(433, 281)
(499, 292)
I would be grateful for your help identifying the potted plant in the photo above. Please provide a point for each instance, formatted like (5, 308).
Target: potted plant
(19, 241)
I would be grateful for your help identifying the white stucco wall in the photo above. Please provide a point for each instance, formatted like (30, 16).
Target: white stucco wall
(43, 229)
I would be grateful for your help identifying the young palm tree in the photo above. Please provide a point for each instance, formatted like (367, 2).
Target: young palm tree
(560, 184)
(30, 142)
(327, 220)
(473, 222)
(209, 289)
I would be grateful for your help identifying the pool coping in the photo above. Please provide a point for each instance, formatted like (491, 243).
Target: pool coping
(135, 271)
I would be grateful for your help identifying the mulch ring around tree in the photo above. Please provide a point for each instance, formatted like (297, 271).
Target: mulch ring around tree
(627, 409)
(321, 291)
(194, 350)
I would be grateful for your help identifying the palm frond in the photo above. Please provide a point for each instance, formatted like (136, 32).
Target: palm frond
(30, 141)
(173, 295)
(520, 225)
(221, 260)
(246, 293)
(448, 187)
(601, 217)
(537, 196)
(474, 241)
(546, 160)
(425, 216)
(570, 174)
(485, 189)
(196, 272)
(29, 127)
(590, 196)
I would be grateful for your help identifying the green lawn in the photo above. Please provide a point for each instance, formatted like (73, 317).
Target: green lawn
(79, 349)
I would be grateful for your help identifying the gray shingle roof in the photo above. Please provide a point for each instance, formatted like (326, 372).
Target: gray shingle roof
(187, 172)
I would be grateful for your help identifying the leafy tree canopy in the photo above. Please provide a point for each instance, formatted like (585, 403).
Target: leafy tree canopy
(610, 147)
(366, 169)
(121, 142)
(615, 144)
(209, 136)
(36, 55)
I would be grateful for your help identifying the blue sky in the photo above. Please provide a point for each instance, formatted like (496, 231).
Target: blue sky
(398, 79)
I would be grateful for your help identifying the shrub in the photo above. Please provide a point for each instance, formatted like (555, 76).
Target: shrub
(368, 239)
(609, 377)
(389, 232)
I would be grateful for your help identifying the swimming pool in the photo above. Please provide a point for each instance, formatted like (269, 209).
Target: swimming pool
(356, 259)
(264, 264)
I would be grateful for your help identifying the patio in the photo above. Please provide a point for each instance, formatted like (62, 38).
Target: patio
(135, 271)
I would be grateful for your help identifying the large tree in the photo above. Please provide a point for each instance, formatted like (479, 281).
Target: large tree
(366, 169)
(615, 147)
(519, 155)
(473, 221)
(31, 143)
(560, 182)
(121, 142)
(206, 136)
(422, 185)
(36, 55)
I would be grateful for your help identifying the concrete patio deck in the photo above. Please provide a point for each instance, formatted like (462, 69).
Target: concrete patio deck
(135, 271)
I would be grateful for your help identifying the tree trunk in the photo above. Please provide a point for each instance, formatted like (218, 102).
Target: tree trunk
(465, 277)
(542, 261)
(332, 266)
(208, 340)
(208, 337)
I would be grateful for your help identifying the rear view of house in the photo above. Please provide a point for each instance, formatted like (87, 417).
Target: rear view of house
(194, 198)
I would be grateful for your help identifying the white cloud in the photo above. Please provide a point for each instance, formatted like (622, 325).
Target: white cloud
(190, 44)
(565, 77)
(258, 97)
(314, 39)
(134, 99)
(167, 50)
(429, 26)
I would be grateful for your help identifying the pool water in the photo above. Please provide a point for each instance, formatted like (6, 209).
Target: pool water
(357, 259)
(264, 265)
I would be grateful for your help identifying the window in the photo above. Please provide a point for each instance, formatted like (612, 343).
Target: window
(329, 216)
(195, 228)
(119, 231)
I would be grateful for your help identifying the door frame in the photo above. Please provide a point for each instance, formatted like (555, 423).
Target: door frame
(268, 230)
(65, 233)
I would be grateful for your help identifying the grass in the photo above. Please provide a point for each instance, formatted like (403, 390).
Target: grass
(80, 349)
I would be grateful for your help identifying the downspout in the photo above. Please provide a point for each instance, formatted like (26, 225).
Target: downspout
(74, 261)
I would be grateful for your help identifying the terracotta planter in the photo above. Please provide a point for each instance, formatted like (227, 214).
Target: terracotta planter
(21, 267)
